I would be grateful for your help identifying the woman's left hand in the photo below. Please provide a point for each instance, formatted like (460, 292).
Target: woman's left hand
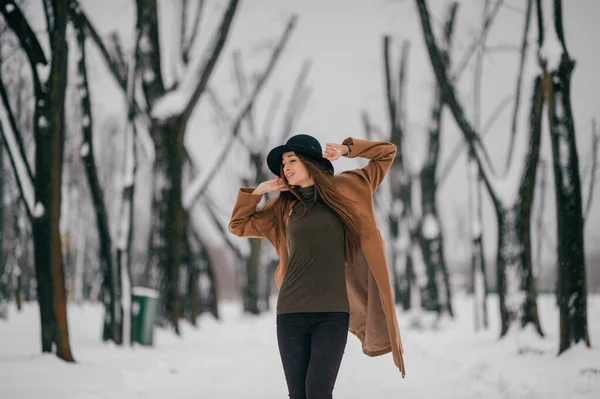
(334, 151)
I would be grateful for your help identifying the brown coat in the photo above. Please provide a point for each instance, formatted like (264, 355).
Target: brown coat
(372, 309)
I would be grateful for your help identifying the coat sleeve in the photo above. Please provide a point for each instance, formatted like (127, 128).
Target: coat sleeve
(244, 222)
(380, 154)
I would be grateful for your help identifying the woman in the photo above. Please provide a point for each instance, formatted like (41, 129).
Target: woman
(332, 274)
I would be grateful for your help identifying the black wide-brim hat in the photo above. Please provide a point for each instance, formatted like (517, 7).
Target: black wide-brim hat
(300, 144)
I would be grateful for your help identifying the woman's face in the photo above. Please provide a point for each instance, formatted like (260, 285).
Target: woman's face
(295, 171)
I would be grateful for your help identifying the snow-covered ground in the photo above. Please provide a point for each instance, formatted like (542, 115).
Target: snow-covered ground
(238, 358)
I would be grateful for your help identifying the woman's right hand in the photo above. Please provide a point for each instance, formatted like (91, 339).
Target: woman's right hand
(270, 186)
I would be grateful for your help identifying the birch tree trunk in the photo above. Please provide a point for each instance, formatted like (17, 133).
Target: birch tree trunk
(557, 66)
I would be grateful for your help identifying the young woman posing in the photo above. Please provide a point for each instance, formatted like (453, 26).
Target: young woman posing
(332, 274)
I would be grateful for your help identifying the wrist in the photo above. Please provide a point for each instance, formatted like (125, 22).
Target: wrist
(257, 192)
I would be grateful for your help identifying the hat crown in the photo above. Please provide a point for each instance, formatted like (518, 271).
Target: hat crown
(305, 140)
(300, 144)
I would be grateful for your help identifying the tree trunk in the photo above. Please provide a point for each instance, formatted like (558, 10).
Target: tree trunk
(111, 330)
(49, 122)
(478, 272)
(251, 296)
(170, 219)
(557, 67)
(515, 277)
(3, 253)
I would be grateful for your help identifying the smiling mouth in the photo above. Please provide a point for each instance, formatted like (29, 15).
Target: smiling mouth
(289, 175)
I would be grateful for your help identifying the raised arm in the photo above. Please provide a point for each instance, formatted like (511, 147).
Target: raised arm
(380, 154)
(244, 222)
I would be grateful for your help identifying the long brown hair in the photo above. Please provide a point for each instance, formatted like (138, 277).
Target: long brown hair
(277, 209)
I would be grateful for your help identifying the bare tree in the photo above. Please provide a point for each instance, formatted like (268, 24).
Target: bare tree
(415, 235)
(42, 194)
(478, 272)
(111, 329)
(257, 144)
(431, 237)
(557, 68)
(512, 194)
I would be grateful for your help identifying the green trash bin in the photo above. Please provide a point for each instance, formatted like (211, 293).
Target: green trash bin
(144, 308)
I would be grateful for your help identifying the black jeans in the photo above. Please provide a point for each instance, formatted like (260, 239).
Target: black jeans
(311, 346)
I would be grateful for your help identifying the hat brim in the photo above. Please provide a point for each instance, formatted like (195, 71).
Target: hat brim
(274, 158)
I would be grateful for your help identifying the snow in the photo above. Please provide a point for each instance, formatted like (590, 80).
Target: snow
(9, 8)
(172, 103)
(85, 150)
(431, 228)
(39, 210)
(238, 357)
(43, 71)
(551, 50)
(43, 122)
(143, 291)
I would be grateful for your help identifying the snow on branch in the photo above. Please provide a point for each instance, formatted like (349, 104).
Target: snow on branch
(182, 100)
(28, 40)
(523, 124)
(551, 50)
(189, 42)
(199, 185)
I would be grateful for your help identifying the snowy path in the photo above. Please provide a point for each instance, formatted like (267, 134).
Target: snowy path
(238, 358)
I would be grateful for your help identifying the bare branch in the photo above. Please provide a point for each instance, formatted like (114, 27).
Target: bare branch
(594, 169)
(28, 40)
(189, 43)
(462, 145)
(49, 17)
(117, 53)
(396, 136)
(12, 122)
(400, 98)
(183, 4)
(296, 102)
(501, 48)
(149, 56)
(224, 117)
(18, 164)
(451, 100)
(271, 112)
(242, 83)
(477, 42)
(517, 108)
(540, 215)
(222, 229)
(112, 64)
(214, 51)
(200, 185)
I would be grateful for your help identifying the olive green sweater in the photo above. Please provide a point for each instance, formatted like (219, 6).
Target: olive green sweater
(315, 280)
